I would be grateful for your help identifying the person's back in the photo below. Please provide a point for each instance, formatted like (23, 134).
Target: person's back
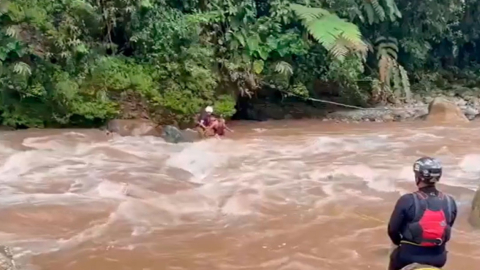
(204, 117)
(220, 127)
(421, 222)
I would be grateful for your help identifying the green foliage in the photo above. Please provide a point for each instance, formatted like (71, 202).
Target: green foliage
(82, 62)
(337, 35)
(225, 105)
(347, 73)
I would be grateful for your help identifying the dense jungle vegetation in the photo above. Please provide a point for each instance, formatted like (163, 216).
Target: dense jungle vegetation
(81, 62)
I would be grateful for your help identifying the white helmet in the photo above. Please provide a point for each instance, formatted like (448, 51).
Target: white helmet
(209, 109)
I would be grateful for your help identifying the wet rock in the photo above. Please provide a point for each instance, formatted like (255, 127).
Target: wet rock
(474, 217)
(460, 102)
(421, 117)
(172, 134)
(6, 128)
(400, 115)
(469, 108)
(134, 127)
(273, 111)
(470, 112)
(444, 110)
(427, 100)
(368, 115)
(254, 114)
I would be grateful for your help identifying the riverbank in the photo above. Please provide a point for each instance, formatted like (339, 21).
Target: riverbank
(139, 123)
(467, 99)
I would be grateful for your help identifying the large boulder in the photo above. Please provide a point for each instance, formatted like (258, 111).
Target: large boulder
(172, 134)
(474, 218)
(134, 127)
(443, 110)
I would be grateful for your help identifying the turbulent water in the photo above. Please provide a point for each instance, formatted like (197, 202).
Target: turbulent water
(277, 195)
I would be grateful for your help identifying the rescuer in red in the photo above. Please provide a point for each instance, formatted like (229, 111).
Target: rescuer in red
(421, 221)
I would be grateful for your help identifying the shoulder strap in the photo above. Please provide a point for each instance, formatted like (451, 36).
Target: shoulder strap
(416, 206)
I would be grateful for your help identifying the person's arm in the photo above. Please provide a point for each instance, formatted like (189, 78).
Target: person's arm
(201, 119)
(398, 219)
(200, 123)
(454, 211)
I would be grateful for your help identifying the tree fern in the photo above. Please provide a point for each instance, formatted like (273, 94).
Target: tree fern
(338, 36)
(391, 73)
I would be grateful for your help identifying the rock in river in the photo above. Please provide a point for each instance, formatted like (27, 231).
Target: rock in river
(134, 127)
(172, 134)
(443, 110)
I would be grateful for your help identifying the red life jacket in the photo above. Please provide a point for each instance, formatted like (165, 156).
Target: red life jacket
(431, 224)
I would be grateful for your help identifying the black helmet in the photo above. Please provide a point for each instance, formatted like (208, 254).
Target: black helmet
(427, 170)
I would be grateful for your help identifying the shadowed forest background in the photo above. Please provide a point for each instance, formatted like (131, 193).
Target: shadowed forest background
(82, 62)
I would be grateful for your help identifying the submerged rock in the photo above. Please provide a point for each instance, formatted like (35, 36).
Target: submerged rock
(443, 110)
(172, 134)
(134, 127)
(474, 217)
(6, 259)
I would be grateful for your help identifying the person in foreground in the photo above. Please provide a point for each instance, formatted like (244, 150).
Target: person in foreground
(421, 222)
(211, 125)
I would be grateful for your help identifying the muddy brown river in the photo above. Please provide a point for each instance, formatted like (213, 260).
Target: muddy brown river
(283, 195)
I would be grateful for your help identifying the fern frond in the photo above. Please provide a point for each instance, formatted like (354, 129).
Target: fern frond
(405, 82)
(389, 49)
(388, 46)
(284, 68)
(12, 31)
(397, 82)
(384, 66)
(393, 11)
(379, 11)
(309, 14)
(22, 68)
(336, 35)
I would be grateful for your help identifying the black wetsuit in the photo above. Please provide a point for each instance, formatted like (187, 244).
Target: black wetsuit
(204, 118)
(405, 254)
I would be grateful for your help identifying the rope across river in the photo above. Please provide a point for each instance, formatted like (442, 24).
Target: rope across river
(340, 104)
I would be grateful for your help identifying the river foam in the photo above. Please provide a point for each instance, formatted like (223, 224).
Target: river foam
(231, 202)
